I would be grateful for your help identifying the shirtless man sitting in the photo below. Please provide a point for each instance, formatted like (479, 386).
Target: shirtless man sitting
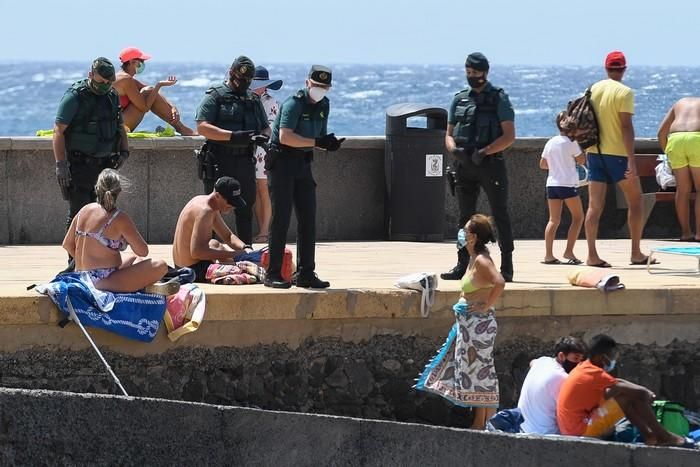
(193, 246)
(679, 138)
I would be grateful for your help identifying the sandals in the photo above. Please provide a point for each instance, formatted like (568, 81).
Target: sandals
(643, 262)
(569, 261)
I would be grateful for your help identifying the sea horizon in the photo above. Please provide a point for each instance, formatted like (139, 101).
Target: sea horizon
(361, 92)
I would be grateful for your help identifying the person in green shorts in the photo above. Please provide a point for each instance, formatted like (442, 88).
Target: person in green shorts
(679, 138)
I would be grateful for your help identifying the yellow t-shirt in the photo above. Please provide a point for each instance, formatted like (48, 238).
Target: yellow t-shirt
(609, 98)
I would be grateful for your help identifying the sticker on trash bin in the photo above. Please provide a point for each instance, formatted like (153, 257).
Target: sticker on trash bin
(433, 165)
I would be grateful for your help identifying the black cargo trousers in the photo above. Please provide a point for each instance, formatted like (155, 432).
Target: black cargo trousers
(491, 175)
(291, 184)
(84, 170)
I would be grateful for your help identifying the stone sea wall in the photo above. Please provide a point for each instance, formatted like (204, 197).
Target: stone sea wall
(351, 190)
(370, 379)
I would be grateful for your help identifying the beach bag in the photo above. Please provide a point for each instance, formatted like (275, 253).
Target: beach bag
(288, 266)
(670, 415)
(581, 122)
(425, 283)
(185, 311)
(664, 173)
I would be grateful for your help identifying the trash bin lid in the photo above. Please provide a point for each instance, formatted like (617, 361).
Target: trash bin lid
(398, 114)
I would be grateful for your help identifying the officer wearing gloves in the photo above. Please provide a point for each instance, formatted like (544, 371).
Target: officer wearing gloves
(233, 120)
(88, 135)
(480, 127)
(300, 126)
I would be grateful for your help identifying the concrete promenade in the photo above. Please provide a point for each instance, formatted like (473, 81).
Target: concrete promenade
(363, 302)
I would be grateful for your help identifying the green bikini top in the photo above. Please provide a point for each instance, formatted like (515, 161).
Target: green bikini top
(467, 286)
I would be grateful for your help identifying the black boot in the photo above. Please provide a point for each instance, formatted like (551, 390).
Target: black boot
(458, 271)
(507, 266)
(310, 281)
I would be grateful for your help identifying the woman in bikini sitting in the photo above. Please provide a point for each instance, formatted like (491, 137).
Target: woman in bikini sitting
(98, 236)
(135, 98)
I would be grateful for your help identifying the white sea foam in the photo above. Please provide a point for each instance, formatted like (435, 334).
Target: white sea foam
(38, 77)
(195, 83)
(533, 111)
(364, 94)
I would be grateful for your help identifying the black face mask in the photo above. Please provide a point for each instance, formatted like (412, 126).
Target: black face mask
(568, 365)
(239, 84)
(476, 81)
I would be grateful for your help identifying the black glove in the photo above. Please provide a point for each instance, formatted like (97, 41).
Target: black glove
(335, 145)
(242, 137)
(259, 140)
(329, 142)
(478, 156)
(63, 173)
(123, 156)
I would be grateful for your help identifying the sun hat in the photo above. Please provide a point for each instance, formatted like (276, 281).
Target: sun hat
(262, 80)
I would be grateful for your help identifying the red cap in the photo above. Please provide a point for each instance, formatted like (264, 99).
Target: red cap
(615, 59)
(132, 53)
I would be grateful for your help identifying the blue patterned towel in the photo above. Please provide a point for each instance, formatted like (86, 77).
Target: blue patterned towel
(132, 315)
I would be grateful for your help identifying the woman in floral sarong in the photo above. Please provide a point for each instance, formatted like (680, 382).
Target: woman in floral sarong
(463, 371)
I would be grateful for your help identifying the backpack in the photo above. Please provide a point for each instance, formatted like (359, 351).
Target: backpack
(581, 121)
(670, 415)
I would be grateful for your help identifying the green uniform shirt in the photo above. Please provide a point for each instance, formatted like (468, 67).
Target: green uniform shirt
(303, 117)
(68, 108)
(504, 109)
(229, 113)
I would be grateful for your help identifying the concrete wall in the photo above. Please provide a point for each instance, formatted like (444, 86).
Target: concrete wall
(350, 191)
(53, 428)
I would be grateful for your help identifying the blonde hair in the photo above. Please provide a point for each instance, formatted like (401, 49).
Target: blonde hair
(109, 185)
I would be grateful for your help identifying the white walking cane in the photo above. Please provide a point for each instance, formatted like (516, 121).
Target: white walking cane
(74, 317)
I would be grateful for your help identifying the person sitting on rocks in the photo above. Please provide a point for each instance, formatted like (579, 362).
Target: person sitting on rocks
(538, 397)
(592, 401)
(193, 246)
(136, 98)
(99, 234)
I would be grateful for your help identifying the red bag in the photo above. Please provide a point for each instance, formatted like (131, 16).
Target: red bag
(287, 263)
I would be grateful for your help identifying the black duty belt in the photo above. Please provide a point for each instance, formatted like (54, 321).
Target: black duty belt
(295, 151)
(231, 150)
(86, 159)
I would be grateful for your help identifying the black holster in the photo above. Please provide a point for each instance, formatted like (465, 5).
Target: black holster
(271, 156)
(452, 180)
(207, 166)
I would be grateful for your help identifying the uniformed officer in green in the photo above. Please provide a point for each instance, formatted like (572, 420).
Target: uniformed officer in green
(480, 127)
(88, 135)
(301, 125)
(232, 119)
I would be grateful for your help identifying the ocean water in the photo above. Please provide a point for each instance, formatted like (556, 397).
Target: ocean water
(30, 91)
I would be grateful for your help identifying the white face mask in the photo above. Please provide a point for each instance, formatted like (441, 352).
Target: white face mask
(316, 93)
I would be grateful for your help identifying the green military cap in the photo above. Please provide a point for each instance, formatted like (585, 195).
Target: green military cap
(477, 61)
(244, 66)
(104, 68)
(320, 74)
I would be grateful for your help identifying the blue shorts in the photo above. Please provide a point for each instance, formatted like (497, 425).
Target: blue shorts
(606, 168)
(561, 192)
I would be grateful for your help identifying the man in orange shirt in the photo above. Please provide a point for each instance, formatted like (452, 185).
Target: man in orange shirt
(591, 401)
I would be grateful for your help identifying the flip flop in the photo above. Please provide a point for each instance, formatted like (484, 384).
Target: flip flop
(551, 261)
(261, 239)
(574, 262)
(689, 239)
(688, 443)
(603, 264)
(644, 262)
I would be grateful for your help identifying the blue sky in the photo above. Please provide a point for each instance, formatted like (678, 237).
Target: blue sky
(535, 32)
